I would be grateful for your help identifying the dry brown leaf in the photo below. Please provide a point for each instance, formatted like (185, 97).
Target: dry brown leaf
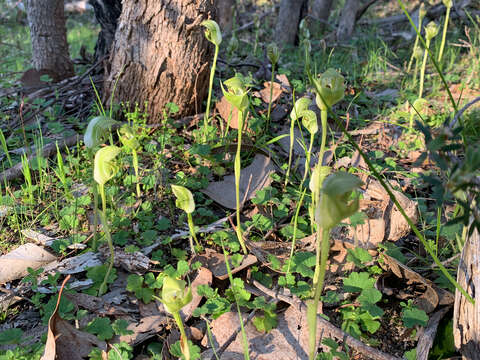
(215, 262)
(229, 114)
(431, 297)
(204, 277)
(288, 341)
(254, 177)
(265, 92)
(65, 342)
(143, 329)
(14, 265)
(283, 80)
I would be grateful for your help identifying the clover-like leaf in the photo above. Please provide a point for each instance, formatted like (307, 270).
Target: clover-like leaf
(175, 294)
(330, 88)
(104, 166)
(184, 199)
(97, 129)
(212, 32)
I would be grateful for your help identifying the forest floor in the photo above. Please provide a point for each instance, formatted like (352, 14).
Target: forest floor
(385, 294)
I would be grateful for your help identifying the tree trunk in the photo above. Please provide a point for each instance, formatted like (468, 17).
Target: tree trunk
(287, 22)
(347, 19)
(320, 11)
(48, 33)
(225, 12)
(160, 55)
(466, 317)
(107, 13)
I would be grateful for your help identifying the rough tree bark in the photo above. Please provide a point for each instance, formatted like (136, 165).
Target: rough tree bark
(347, 19)
(160, 55)
(320, 11)
(287, 22)
(466, 317)
(48, 33)
(107, 13)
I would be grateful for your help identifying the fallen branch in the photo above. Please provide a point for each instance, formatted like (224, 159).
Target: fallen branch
(47, 151)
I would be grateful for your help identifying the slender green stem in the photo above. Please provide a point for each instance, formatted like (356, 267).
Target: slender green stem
(95, 216)
(422, 71)
(444, 35)
(237, 170)
(246, 354)
(415, 73)
(307, 161)
(435, 64)
(103, 287)
(271, 95)
(183, 335)
(191, 226)
(135, 168)
(209, 98)
(290, 152)
(323, 117)
(101, 189)
(323, 247)
(295, 226)
(415, 45)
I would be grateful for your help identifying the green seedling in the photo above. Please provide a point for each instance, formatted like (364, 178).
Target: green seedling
(330, 89)
(175, 296)
(104, 170)
(333, 205)
(5, 148)
(214, 35)
(130, 142)
(448, 4)
(431, 30)
(273, 55)
(28, 178)
(186, 203)
(61, 173)
(237, 96)
(421, 14)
